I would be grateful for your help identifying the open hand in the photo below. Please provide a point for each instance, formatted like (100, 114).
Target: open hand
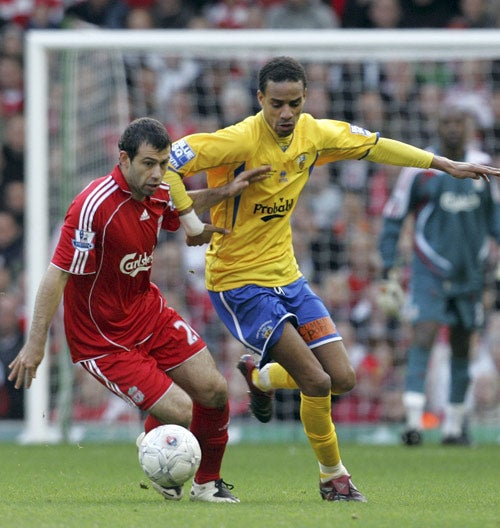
(24, 366)
(246, 178)
(463, 169)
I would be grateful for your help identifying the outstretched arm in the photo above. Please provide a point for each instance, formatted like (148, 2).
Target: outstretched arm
(196, 202)
(392, 152)
(204, 199)
(24, 366)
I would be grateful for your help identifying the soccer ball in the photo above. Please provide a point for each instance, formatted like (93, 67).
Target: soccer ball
(391, 298)
(169, 455)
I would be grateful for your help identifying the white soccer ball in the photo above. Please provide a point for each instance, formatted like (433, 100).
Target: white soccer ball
(169, 455)
(391, 298)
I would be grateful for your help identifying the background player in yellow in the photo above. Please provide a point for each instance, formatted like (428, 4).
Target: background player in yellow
(252, 275)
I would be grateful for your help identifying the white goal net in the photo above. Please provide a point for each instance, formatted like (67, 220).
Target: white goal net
(84, 86)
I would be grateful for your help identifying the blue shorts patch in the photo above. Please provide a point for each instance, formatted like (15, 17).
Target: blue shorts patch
(254, 315)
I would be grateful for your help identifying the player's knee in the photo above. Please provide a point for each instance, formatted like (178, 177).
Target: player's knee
(215, 394)
(315, 385)
(344, 383)
(219, 396)
(179, 411)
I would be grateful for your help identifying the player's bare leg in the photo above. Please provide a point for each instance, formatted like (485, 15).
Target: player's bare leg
(314, 375)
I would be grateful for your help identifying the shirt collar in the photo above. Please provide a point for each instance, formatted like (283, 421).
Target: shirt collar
(119, 178)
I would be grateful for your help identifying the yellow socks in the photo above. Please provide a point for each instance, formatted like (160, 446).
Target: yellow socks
(315, 413)
(273, 376)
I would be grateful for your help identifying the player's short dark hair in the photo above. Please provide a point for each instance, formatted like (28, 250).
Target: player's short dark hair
(144, 130)
(281, 69)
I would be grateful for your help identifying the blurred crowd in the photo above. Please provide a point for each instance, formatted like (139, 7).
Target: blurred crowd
(251, 14)
(337, 221)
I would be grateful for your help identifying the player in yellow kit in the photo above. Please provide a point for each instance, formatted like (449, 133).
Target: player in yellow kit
(251, 272)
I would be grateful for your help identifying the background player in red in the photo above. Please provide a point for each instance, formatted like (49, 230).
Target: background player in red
(118, 325)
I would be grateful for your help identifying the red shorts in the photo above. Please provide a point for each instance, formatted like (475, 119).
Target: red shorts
(139, 376)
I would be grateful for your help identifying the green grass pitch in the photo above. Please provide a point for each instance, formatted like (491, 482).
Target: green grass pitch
(102, 485)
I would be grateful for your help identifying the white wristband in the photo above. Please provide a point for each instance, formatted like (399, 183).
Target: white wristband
(192, 224)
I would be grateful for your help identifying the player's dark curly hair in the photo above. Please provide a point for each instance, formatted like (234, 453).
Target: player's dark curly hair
(144, 130)
(281, 69)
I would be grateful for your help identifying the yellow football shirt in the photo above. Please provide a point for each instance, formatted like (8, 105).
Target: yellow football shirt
(259, 248)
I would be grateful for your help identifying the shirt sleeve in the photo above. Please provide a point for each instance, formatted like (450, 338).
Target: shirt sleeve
(178, 191)
(392, 152)
(398, 207)
(76, 249)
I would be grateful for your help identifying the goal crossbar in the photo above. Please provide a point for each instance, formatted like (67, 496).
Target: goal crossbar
(327, 44)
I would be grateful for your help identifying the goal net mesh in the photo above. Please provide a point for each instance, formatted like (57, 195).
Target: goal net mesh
(94, 93)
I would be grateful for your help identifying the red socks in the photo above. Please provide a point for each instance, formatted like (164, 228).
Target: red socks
(210, 428)
(151, 423)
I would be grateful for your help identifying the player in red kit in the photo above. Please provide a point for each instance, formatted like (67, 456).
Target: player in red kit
(118, 325)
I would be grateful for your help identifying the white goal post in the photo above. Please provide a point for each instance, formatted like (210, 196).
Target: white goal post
(335, 45)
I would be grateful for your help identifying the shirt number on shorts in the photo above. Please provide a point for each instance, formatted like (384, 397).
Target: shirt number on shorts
(191, 335)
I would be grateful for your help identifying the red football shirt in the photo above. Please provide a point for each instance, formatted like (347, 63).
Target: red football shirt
(107, 243)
